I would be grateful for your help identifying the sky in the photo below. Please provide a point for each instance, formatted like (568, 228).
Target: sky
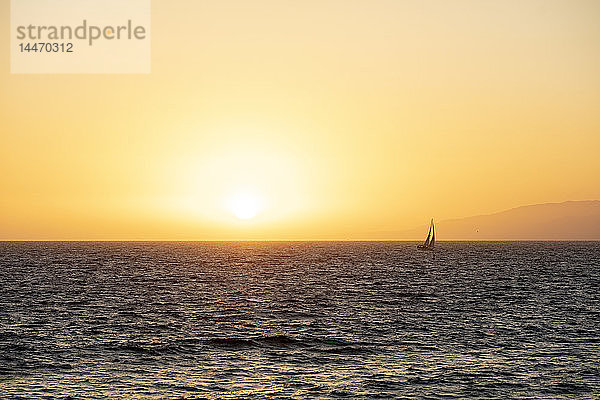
(277, 120)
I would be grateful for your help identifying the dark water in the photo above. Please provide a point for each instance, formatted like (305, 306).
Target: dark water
(299, 320)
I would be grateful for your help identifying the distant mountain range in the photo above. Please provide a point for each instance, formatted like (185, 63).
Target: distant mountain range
(571, 220)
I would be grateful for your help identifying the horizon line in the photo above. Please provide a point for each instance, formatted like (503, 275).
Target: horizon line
(281, 240)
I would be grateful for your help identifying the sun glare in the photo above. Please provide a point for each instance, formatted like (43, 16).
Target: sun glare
(244, 205)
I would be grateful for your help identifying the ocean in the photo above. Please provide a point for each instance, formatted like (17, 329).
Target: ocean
(299, 320)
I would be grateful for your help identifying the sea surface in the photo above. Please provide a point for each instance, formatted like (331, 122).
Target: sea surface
(299, 320)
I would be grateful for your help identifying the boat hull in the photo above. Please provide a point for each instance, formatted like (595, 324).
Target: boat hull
(421, 247)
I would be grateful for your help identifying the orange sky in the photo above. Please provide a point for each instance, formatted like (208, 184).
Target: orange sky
(340, 118)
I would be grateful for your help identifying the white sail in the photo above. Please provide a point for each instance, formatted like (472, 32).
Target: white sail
(428, 237)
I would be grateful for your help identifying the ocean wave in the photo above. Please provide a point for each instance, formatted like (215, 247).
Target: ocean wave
(274, 341)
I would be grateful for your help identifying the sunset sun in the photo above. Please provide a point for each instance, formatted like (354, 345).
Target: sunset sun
(244, 205)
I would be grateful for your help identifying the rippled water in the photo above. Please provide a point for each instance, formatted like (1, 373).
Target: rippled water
(299, 320)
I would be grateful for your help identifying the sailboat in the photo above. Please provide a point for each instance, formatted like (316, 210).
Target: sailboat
(430, 241)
